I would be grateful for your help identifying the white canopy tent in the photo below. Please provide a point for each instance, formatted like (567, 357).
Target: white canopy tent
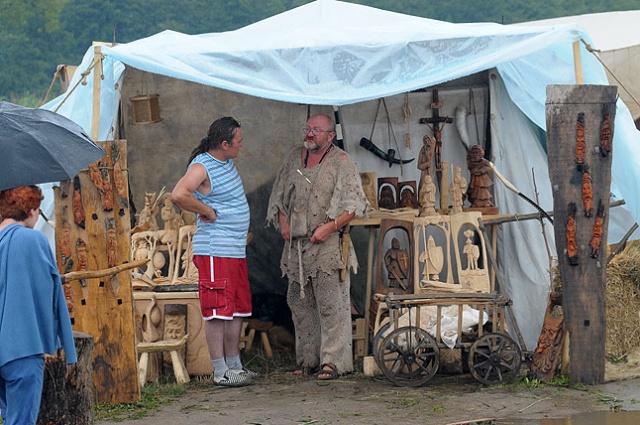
(615, 37)
(330, 52)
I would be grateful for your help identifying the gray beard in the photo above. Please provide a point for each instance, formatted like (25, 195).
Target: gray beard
(311, 146)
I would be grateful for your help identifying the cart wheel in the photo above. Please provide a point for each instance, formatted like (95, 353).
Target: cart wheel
(377, 340)
(494, 358)
(408, 356)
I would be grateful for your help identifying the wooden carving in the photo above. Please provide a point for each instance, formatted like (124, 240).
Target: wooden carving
(151, 321)
(548, 351)
(433, 259)
(369, 186)
(184, 257)
(425, 157)
(479, 190)
(427, 197)
(396, 260)
(596, 233)
(96, 176)
(605, 137)
(107, 195)
(408, 194)
(457, 189)
(587, 192)
(78, 209)
(471, 251)
(388, 192)
(82, 256)
(572, 245)
(118, 176)
(580, 143)
(65, 243)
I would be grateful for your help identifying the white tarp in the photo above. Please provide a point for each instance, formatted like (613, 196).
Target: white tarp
(335, 53)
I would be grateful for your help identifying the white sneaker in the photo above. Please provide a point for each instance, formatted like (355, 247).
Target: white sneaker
(246, 372)
(232, 379)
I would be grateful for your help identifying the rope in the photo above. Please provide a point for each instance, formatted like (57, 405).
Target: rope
(53, 80)
(81, 80)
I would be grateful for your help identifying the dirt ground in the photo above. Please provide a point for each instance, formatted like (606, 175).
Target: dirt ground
(279, 398)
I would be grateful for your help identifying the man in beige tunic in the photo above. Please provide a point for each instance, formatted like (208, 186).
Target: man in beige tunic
(316, 193)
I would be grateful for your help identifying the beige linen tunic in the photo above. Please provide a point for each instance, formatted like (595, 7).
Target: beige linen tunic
(321, 305)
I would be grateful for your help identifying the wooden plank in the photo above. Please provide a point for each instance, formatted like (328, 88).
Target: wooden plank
(583, 271)
(102, 307)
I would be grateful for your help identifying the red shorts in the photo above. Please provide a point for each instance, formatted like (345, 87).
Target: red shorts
(223, 287)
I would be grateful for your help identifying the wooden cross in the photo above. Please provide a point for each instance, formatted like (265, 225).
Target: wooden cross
(435, 120)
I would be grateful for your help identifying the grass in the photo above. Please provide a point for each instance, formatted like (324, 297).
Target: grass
(151, 398)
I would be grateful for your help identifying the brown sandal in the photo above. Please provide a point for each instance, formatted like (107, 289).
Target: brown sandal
(328, 372)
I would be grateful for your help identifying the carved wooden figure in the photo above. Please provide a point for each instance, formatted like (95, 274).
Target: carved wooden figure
(471, 251)
(433, 257)
(572, 244)
(96, 176)
(425, 157)
(587, 192)
(82, 256)
(548, 351)
(427, 197)
(189, 271)
(605, 136)
(596, 233)
(580, 143)
(457, 189)
(396, 260)
(78, 209)
(107, 193)
(169, 235)
(147, 219)
(118, 176)
(479, 190)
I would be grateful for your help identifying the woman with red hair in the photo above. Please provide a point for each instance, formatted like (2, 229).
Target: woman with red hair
(34, 319)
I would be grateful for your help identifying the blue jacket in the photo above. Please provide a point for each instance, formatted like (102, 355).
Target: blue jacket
(33, 312)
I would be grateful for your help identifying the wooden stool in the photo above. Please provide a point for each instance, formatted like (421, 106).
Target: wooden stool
(246, 338)
(173, 347)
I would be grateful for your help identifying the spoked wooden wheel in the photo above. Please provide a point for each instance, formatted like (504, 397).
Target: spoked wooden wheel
(408, 356)
(377, 339)
(495, 358)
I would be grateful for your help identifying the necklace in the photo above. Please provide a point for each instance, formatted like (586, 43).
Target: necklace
(306, 157)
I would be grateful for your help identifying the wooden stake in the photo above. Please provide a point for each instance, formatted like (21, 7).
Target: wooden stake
(577, 62)
(97, 83)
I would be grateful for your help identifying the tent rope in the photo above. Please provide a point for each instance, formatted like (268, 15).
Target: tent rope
(593, 51)
(82, 80)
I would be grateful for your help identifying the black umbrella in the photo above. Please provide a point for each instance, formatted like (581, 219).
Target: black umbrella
(41, 146)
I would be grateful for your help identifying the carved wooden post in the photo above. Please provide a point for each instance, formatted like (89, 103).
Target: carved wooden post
(67, 398)
(579, 133)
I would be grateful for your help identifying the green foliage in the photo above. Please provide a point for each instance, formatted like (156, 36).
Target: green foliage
(38, 35)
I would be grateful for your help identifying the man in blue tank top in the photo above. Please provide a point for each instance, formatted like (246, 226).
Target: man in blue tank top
(212, 188)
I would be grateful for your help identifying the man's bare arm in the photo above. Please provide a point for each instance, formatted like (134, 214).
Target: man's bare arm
(182, 195)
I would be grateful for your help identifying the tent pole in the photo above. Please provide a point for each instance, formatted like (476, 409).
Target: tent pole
(577, 62)
(97, 81)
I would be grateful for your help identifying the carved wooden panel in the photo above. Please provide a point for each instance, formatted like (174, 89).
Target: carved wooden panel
(450, 254)
(92, 233)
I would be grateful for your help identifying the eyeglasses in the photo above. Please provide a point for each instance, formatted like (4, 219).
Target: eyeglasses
(315, 131)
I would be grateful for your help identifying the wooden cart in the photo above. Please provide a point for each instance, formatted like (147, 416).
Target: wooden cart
(409, 355)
